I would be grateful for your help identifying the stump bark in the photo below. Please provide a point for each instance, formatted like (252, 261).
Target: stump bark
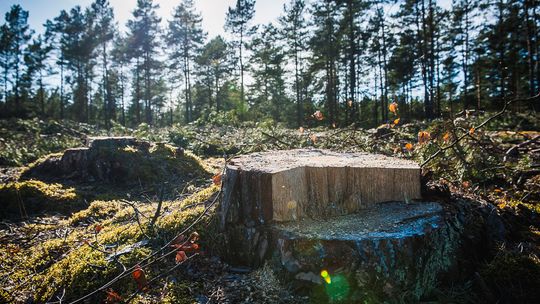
(354, 215)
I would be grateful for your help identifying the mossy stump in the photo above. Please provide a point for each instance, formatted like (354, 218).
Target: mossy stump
(119, 161)
(351, 221)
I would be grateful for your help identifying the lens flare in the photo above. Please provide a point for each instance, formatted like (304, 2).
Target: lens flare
(326, 277)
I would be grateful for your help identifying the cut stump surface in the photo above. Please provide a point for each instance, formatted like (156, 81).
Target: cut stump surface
(307, 183)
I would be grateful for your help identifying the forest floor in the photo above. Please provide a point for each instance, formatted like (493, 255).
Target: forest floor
(73, 237)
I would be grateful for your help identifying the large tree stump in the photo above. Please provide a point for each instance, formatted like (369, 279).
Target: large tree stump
(349, 214)
(290, 185)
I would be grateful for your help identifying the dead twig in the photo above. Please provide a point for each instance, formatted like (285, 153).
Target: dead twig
(158, 209)
(276, 139)
(457, 140)
(136, 214)
(514, 150)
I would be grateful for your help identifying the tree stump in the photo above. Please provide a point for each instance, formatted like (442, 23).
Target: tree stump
(291, 185)
(121, 161)
(353, 216)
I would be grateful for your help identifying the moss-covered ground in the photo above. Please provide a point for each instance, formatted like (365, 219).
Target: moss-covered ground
(78, 255)
(18, 199)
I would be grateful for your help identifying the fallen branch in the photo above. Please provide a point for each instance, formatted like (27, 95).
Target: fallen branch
(514, 150)
(136, 215)
(457, 140)
(276, 139)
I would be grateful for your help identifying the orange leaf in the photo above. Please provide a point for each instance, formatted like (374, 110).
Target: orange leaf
(112, 297)
(446, 137)
(188, 247)
(139, 277)
(98, 228)
(466, 184)
(180, 256)
(216, 179)
(423, 137)
(318, 115)
(396, 121)
(471, 131)
(393, 107)
(409, 146)
(313, 138)
(194, 236)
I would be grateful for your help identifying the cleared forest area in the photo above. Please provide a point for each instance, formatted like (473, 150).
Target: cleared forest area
(348, 152)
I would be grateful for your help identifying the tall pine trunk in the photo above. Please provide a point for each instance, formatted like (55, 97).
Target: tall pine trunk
(530, 52)
(352, 61)
(138, 91)
(299, 106)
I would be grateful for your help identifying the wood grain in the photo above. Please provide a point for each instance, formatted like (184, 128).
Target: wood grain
(289, 185)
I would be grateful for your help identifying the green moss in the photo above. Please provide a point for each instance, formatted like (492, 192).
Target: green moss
(178, 219)
(29, 197)
(5, 297)
(178, 293)
(98, 210)
(20, 266)
(41, 160)
(515, 203)
(163, 163)
(163, 150)
(83, 270)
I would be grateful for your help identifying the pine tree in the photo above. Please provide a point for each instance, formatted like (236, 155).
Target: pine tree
(325, 47)
(5, 54)
(143, 44)
(77, 44)
(121, 60)
(464, 12)
(266, 63)
(35, 58)
(104, 30)
(294, 31)
(19, 35)
(185, 36)
(238, 23)
(214, 70)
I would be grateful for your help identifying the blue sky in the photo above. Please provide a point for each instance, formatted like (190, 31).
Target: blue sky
(213, 11)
